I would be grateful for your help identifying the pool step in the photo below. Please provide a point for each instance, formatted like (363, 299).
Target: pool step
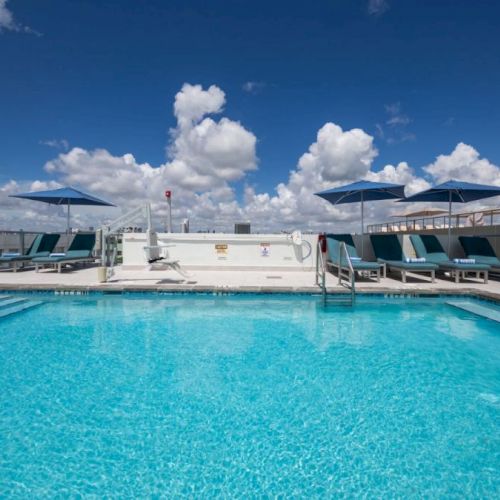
(338, 299)
(11, 301)
(13, 305)
(479, 309)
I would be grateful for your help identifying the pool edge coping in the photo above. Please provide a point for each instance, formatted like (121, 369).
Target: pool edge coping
(262, 290)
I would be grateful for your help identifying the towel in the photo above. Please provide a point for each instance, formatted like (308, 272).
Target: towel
(354, 259)
(464, 261)
(57, 254)
(11, 254)
(412, 260)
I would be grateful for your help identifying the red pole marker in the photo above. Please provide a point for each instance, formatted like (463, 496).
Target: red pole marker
(168, 195)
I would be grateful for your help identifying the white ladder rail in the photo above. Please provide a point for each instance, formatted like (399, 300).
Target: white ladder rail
(350, 275)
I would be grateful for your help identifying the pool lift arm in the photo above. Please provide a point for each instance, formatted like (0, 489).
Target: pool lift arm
(155, 254)
(115, 227)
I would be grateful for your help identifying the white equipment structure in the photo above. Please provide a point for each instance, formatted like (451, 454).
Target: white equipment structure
(157, 256)
(296, 238)
(185, 226)
(298, 243)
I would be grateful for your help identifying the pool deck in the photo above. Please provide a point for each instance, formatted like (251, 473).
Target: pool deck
(234, 281)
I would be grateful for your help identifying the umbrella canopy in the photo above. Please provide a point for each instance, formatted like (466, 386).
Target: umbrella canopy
(362, 191)
(454, 192)
(64, 196)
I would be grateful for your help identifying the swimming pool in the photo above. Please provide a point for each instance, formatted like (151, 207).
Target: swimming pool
(136, 395)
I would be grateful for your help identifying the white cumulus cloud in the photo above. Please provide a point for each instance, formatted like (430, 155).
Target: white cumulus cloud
(336, 157)
(192, 103)
(6, 17)
(208, 153)
(464, 163)
(8, 23)
(204, 157)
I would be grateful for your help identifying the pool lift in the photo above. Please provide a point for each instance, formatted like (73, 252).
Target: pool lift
(157, 255)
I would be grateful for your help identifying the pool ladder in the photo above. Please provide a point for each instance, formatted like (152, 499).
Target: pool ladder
(346, 279)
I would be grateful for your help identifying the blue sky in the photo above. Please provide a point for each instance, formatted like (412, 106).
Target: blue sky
(419, 77)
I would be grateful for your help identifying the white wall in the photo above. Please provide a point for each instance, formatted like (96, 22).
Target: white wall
(244, 251)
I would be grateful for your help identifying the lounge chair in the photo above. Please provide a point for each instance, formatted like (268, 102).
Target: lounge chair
(429, 247)
(41, 246)
(335, 259)
(80, 250)
(480, 249)
(388, 250)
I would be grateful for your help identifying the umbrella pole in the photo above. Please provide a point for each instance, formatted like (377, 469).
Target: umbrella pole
(449, 224)
(362, 226)
(67, 221)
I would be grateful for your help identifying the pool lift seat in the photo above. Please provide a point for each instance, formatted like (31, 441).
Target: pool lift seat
(157, 255)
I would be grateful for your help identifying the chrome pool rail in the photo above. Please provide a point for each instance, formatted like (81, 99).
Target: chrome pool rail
(350, 276)
(321, 277)
(320, 270)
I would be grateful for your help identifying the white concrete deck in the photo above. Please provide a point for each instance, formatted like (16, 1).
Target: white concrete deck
(231, 280)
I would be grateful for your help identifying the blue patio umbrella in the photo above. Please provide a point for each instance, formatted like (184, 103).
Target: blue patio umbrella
(361, 191)
(64, 196)
(454, 192)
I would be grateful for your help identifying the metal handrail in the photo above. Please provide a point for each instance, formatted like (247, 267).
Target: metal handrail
(351, 275)
(115, 226)
(320, 270)
(409, 224)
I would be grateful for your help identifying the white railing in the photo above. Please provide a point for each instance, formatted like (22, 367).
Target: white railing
(479, 218)
(320, 270)
(116, 226)
(350, 276)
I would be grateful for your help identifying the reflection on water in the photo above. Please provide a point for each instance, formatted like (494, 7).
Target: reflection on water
(324, 328)
(491, 399)
(202, 337)
(463, 329)
(207, 396)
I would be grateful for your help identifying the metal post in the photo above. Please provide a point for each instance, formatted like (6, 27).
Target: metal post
(148, 217)
(104, 248)
(362, 226)
(21, 241)
(169, 227)
(168, 195)
(317, 263)
(67, 222)
(449, 224)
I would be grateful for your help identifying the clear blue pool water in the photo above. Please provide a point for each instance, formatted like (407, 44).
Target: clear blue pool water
(248, 395)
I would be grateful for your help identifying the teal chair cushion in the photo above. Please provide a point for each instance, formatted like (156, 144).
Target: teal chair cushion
(82, 241)
(476, 245)
(387, 247)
